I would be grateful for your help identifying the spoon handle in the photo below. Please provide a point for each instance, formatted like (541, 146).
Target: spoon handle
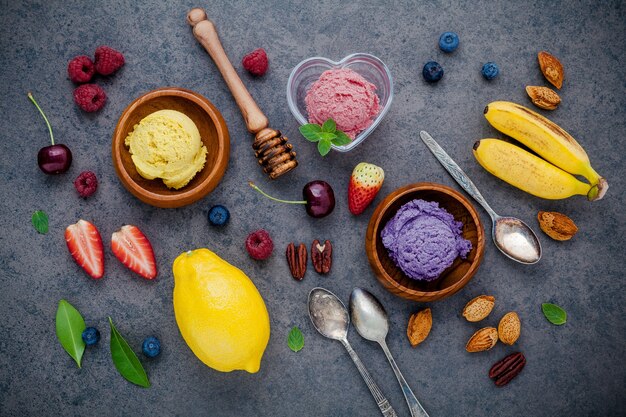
(414, 405)
(456, 172)
(383, 403)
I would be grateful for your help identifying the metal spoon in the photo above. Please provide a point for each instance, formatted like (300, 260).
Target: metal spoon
(512, 236)
(330, 317)
(370, 320)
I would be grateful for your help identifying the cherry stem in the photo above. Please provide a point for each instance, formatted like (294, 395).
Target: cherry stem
(30, 96)
(273, 198)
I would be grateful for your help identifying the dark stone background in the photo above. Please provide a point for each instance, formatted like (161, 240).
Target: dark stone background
(573, 370)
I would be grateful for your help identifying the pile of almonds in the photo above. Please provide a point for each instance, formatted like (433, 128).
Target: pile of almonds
(508, 331)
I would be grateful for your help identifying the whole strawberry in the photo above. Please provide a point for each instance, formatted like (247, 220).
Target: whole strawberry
(365, 183)
(108, 60)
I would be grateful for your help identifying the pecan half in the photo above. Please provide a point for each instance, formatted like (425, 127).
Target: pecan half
(296, 259)
(322, 256)
(503, 371)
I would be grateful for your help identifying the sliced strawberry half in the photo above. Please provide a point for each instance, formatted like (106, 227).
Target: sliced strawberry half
(85, 244)
(134, 250)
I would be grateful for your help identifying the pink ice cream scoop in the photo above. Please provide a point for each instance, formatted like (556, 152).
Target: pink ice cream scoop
(344, 96)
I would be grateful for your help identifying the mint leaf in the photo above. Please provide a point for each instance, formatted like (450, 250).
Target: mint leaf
(69, 328)
(554, 314)
(341, 139)
(323, 146)
(40, 221)
(329, 126)
(326, 136)
(125, 360)
(310, 131)
(295, 340)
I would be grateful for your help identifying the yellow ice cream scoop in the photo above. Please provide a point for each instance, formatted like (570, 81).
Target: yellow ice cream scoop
(166, 144)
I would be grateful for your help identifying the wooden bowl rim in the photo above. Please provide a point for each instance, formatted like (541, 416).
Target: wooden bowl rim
(374, 225)
(185, 196)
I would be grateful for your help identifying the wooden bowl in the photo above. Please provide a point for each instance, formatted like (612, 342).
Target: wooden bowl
(453, 278)
(213, 132)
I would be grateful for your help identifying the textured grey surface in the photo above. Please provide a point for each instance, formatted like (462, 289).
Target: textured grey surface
(573, 370)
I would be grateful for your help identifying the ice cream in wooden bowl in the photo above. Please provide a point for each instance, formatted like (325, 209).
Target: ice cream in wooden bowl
(425, 242)
(170, 147)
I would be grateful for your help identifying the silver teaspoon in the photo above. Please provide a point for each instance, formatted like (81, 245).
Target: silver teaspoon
(330, 317)
(370, 320)
(512, 236)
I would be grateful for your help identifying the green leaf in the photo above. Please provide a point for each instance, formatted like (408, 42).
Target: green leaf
(40, 221)
(326, 136)
(341, 139)
(70, 326)
(554, 314)
(329, 126)
(295, 340)
(125, 360)
(323, 146)
(310, 131)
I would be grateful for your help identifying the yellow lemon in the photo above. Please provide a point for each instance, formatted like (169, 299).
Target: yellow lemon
(219, 312)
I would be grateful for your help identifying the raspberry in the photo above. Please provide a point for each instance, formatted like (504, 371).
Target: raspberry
(256, 62)
(81, 69)
(90, 97)
(86, 184)
(108, 60)
(259, 245)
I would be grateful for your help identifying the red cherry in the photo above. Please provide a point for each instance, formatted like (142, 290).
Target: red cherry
(53, 159)
(319, 198)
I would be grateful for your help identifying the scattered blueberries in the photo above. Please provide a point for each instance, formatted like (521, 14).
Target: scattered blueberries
(91, 336)
(490, 70)
(151, 347)
(432, 72)
(218, 215)
(448, 41)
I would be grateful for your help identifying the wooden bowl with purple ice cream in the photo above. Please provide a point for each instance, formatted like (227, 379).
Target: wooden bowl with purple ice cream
(425, 242)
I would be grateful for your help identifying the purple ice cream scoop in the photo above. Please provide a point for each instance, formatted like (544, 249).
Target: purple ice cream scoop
(424, 239)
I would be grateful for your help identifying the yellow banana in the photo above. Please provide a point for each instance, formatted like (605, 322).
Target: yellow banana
(546, 138)
(529, 173)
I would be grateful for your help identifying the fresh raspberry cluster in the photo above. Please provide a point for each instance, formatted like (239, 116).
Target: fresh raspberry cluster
(81, 69)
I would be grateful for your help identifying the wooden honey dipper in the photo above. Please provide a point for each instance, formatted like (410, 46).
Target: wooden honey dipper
(275, 155)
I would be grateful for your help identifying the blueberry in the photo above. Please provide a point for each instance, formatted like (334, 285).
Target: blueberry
(151, 347)
(448, 41)
(490, 70)
(91, 335)
(432, 72)
(218, 215)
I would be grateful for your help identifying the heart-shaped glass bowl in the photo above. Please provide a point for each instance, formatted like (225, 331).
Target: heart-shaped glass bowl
(368, 66)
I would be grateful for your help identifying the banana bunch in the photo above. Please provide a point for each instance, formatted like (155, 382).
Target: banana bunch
(552, 177)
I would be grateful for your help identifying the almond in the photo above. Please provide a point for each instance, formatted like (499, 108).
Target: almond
(483, 339)
(551, 68)
(419, 327)
(479, 308)
(556, 225)
(543, 97)
(509, 328)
